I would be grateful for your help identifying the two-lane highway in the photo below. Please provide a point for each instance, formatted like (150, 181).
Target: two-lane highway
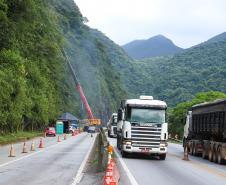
(144, 170)
(57, 164)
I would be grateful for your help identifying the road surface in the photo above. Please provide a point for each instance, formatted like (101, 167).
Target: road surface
(56, 164)
(144, 170)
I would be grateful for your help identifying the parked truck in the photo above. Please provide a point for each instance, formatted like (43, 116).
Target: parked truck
(205, 131)
(112, 125)
(142, 127)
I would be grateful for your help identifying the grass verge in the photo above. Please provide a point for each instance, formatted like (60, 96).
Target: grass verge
(19, 136)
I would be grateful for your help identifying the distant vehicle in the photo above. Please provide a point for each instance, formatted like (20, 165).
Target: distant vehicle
(205, 131)
(50, 131)
(71, 129)
(112, 126)
(91, 129)
(142, 127)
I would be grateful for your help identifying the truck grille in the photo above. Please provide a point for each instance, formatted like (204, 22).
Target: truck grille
(146, 136)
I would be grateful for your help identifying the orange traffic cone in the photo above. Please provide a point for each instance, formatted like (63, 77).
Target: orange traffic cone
(32, 146)
(24, 150)
(73, 133)
(41, 145)
(65, 136)
(12, 151)
(58, 139)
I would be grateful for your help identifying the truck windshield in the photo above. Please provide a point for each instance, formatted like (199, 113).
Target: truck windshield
(145, 115)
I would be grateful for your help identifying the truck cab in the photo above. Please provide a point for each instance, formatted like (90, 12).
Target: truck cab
(112, 125)
(142, 127)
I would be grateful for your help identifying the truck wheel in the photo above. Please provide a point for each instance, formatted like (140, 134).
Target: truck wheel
(193, 149)
(204, 153)
(162, 156)
(220, 159)
(109, 134)
(210, 154)
(124, 154)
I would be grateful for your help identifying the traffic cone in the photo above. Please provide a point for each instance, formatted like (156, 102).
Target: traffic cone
(12, 151)
(65, 136)
(185, 158)
(73, 133)
(24, 150)
(32, 146)
(41, 145)
(58, 139)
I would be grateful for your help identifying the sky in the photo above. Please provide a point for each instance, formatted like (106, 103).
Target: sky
(185, 22)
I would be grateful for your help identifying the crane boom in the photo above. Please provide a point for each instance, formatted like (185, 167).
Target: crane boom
(79, 87)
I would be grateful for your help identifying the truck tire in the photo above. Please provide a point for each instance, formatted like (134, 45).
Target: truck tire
(124, 154)
(220, 159)
(214, 155)
(162, 156)
(204, 153)
(210, 154)
(109, 134)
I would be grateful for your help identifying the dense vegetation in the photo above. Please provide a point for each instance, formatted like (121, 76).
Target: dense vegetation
(36, 86)
(152, 47)
(177, 115)
(178, 78)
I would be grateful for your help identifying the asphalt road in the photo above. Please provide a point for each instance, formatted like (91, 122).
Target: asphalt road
(56, 164)
(145, 170)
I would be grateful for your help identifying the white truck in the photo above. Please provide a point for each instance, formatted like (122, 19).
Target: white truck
(142, 127)
(112, 125)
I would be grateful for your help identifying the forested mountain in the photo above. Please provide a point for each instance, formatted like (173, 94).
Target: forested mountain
(36, 86)
(155, 46)
(217, 38)
(178, 78)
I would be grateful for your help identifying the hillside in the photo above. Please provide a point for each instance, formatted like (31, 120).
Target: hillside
(152, 47)
(178, 78)
(36, 86)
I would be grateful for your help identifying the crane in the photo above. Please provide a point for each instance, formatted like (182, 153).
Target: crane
(79, 87)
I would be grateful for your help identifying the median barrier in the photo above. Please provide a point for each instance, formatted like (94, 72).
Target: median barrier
(12, 151)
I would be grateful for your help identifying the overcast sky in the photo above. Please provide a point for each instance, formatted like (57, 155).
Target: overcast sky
(185, 22)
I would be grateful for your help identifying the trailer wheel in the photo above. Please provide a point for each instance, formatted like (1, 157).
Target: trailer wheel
(210, 154)
(214, 155)
(220, 159)
(194, 149)
(204, 153)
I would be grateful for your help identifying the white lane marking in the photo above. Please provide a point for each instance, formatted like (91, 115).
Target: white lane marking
(29, 155)
(128, 173)
(80, 172)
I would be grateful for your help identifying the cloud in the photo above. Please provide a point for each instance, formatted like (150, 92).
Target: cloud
(186, 22)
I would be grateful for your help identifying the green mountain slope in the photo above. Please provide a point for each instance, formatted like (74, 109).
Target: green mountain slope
(155, 46)
(178, 78)
(35, 82)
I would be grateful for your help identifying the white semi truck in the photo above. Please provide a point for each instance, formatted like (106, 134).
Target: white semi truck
(142, 127)
(112, 125)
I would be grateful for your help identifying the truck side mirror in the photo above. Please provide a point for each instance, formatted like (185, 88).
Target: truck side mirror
(119, 115)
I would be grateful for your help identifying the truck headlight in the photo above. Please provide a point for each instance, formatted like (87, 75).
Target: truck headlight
(163, 144)
(127, 142)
